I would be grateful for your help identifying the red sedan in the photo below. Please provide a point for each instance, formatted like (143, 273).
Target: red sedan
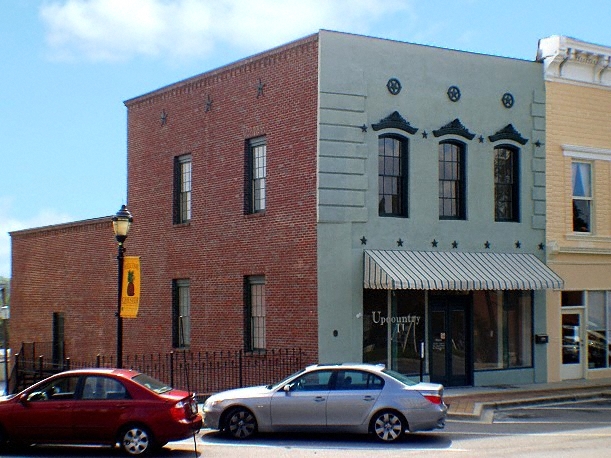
(99, 406)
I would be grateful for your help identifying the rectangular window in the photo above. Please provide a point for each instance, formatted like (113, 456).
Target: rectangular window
(256, 169)
(182, 189)
(181, 314)
(392, 176)
(451, 181)
(599, 329)
(506, 188)
(582, 196)
(255, 313)
(502, 322)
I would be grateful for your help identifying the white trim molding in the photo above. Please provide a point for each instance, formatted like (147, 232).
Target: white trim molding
(586, 153)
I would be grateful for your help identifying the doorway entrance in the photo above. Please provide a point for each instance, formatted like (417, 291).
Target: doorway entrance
(573, 350)
(450, 337)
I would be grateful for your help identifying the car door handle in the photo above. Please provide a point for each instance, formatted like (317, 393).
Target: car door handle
(319, 399)
(368, 398)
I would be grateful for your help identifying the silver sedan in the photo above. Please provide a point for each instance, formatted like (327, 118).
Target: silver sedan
(353, 398)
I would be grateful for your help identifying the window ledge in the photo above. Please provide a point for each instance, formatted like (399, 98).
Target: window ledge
(255, 352)
(255, 215)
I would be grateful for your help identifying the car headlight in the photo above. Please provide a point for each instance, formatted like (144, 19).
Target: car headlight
(212, 402)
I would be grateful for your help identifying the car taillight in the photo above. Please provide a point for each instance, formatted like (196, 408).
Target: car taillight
(184, 409)
(433, 398)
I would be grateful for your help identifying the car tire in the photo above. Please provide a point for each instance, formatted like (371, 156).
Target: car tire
(388, 426)
(241, 423)
(136, 440)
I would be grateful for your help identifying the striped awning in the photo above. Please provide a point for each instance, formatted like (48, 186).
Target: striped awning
(453, 270)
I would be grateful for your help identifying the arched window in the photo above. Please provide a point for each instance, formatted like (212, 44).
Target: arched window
(452, 181)
(506, 184)
(392, 175)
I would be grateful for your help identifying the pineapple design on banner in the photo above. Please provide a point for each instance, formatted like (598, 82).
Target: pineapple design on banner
(130, 283)
(130, 294)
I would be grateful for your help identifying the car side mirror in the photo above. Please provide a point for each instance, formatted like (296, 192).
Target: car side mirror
(288, 387)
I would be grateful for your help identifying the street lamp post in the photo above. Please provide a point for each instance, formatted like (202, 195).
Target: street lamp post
(121, 223)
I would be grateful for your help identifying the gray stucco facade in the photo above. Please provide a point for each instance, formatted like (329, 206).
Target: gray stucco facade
(353, 100)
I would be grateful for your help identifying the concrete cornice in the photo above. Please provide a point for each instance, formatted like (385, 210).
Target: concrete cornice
(573, 61)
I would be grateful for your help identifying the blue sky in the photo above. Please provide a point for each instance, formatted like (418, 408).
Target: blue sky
(66, 66)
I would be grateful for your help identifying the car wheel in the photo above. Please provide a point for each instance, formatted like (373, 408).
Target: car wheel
(241, 423)
(388, 426)
(136, 440)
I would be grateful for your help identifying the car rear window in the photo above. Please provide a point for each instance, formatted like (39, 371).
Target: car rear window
(400, 377)
(151, 383)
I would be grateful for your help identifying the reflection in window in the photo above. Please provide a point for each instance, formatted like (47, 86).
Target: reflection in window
(502, 331)
(313, 381)
(255, 313)
(256, 167)
(599, 328)
(451, 181)
(392, 176)
(357, 380)
(181, 313)
(182, 189)
(402, 352)
(103, 388)
(582, 196)
(56, 390)
(506, 189)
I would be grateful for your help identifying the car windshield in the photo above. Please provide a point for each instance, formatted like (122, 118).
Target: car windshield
(400, 377)
(281, 382)
(152, 384)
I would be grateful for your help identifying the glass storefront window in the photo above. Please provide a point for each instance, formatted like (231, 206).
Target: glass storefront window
(393, 329)
(502, 329)
(597, 330)
(375, 348)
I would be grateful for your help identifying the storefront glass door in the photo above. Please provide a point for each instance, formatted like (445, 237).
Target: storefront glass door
(450, 360)
(573, 356)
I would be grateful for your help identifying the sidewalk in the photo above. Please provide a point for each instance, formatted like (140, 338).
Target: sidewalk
(469, 403)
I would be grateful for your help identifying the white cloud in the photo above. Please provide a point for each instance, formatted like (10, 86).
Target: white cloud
(8, 224)
(120, 30)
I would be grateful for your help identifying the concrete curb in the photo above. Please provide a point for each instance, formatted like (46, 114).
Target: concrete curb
(480, 409)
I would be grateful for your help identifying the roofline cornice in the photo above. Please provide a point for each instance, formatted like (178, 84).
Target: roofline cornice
(573, 61)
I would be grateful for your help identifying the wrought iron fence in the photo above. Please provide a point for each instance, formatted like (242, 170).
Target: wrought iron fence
(200, 372)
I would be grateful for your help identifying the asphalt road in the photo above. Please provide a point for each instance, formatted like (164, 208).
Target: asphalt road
(572, 429)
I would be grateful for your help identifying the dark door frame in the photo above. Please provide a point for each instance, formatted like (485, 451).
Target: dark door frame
(448, 303)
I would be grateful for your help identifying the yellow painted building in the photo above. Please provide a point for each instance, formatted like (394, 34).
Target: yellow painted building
(578, 195)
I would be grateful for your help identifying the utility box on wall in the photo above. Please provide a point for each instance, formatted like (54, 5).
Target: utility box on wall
(541, 338)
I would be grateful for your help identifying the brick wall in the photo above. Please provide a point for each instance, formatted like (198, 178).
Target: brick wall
(221, 244)
(72, 268)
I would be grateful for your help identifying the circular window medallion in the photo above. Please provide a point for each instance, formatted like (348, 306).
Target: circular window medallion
(393, 86)
(454, 93)
(507, 100)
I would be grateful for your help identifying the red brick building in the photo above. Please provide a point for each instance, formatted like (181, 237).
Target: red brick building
(209, 119)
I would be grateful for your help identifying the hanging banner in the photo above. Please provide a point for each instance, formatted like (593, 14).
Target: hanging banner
(130, 287)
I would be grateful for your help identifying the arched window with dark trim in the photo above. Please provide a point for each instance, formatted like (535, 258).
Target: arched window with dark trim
(392, 175)
(506, 184)
(452, 180)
